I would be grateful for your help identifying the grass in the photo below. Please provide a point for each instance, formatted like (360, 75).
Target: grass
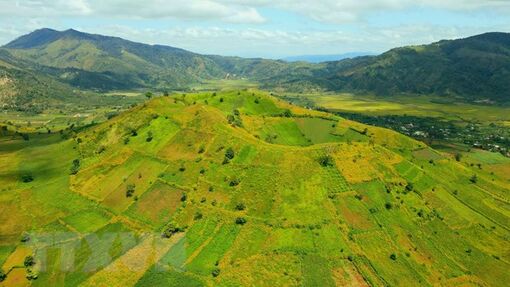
(307, 223)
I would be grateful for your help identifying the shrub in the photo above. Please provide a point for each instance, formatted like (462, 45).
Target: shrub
(235, 182)
(287, 113)
(198, 215)
(149, 136)
(172, 229)
(25, 237)
(240, 206)
(27, 178)
(326, 160)
(130, 190)
(229, 155)
(2, 275)
(409, 186)
(474, 179)
(388, 205)
(215, 272)
(29, 261)
(393, 256)
(75, 167)
(257, 101)
(241, 221)
(184, 197)
(458, 156)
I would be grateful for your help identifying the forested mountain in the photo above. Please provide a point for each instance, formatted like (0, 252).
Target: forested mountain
(475, 68)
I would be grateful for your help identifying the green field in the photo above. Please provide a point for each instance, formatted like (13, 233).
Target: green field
(254, 192)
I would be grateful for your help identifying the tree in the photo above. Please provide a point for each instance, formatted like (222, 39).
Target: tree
(172, 229)
(388, 205)
(148, 95)
(393, 256)
(29, 261)
(27, 178)
(215, 272)
(474, 179)
(75, 167)
(326, 160)
(229, 155)
(2, 275)
(458, 156)
(240, 206)
(149, 137)
(241, 221)
(165, 93)
(287, 113)
(130, 190)
(409, 186)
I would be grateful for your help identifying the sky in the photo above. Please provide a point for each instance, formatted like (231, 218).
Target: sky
(263, 28)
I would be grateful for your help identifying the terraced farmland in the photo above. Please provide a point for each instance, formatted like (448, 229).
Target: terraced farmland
(250, 191)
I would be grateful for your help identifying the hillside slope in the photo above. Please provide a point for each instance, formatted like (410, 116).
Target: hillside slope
(474, 68)
(101, 62)
(251, 191)
(27, 90)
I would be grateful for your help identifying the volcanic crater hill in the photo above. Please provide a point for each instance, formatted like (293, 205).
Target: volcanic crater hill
(256, 192)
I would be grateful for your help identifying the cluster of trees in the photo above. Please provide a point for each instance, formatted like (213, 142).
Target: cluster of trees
(75, 167)
(130, 190)
(172, 229)
(229, 155)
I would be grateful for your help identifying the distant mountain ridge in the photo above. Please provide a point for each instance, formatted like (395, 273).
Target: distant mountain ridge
(326, 58)
(474, 68)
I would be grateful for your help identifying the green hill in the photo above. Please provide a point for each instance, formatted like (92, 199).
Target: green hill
(251, 191)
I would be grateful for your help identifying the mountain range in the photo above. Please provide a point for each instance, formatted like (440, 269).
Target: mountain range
(326, 58)
(474, 68)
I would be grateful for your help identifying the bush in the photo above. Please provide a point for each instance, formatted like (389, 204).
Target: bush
(29, 261)
(393, 256)
(75, 167)
(241, 221)
(240, 206)
(2, 275)
(409, 186)
(235, 182)
(149, 136)
(474, 179)
(388, 205)
(287, 113)
(229, 155)
(25, 237)
(326, 160)
(27, 178)
(458, 156)
(215, 272)
(130, 190)
(172, 229)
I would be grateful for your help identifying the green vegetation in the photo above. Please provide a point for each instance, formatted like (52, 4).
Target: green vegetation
(327, 201)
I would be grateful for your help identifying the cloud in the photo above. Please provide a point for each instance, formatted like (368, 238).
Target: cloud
(135, 9)
(237, 11)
